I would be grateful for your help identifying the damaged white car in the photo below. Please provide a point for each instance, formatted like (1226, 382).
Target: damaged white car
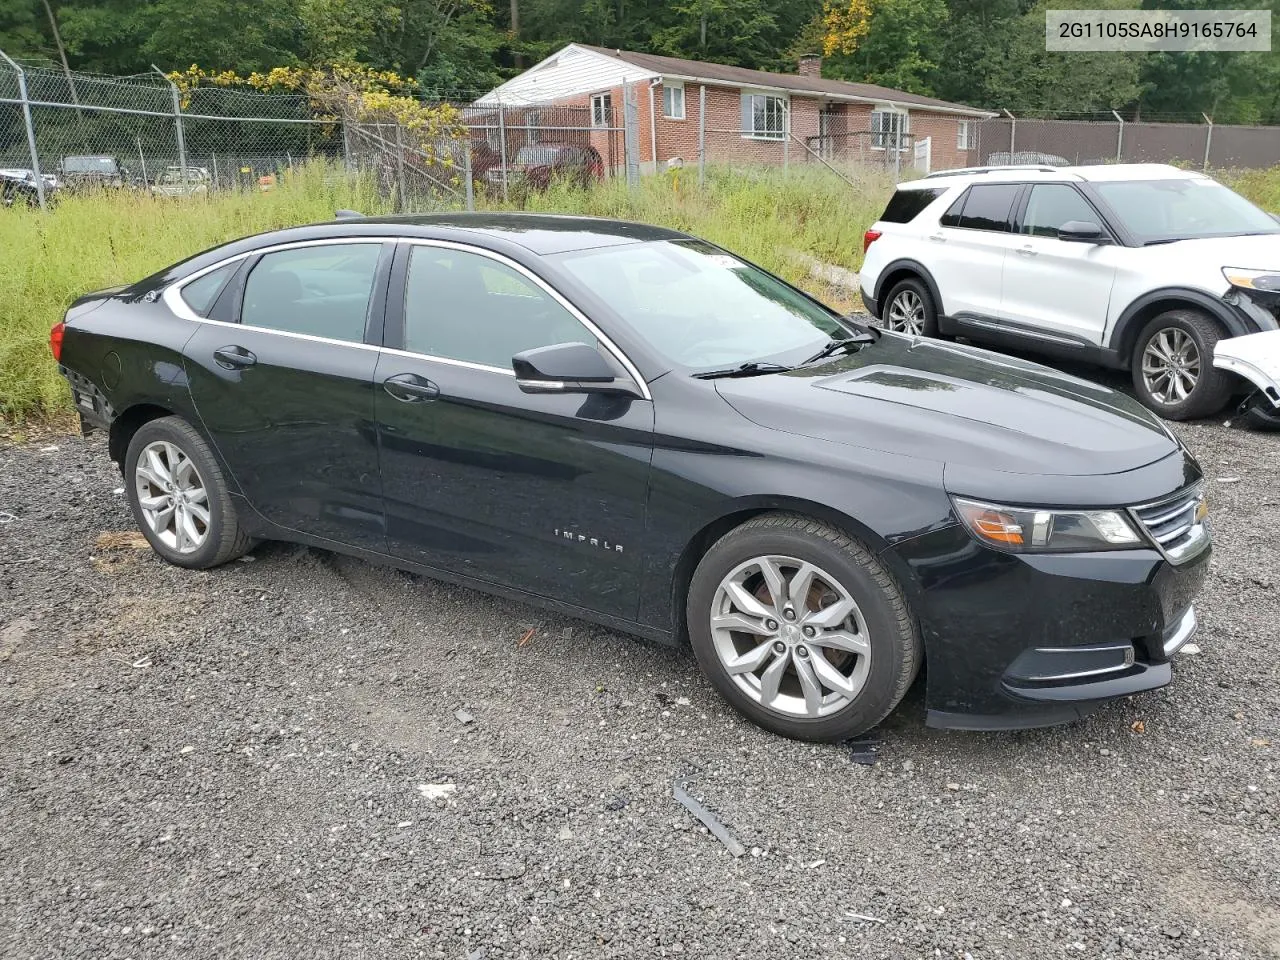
(1255, 358)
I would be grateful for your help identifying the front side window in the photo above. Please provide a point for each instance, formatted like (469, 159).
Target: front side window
(763, 116)
(202, 292)
(1158, 211)
(1050, 205)
(320, 291)
(963, 134)
(465, 306)
(700, 307)
(602, 110)
(888, 128)
(672, 100)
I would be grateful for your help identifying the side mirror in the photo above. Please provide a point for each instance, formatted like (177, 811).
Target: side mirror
(1081, 231)
(568, 368)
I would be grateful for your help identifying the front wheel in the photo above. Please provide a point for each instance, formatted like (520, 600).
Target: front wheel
(179, 497)
(800, 628)
(1173, 372)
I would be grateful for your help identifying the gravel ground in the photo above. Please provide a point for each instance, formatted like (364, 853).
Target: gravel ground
(237, 764)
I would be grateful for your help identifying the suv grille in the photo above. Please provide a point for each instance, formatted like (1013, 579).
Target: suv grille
(1175, 524)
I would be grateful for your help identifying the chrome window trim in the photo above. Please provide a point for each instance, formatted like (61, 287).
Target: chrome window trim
(172, 295)
(524, 271)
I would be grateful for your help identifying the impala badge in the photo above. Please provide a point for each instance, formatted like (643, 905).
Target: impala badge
(589, 541)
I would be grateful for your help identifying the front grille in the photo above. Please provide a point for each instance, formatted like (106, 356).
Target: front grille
(1172, 523)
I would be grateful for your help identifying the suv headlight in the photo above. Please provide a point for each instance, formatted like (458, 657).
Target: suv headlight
(1266, 280)
(1028, 530)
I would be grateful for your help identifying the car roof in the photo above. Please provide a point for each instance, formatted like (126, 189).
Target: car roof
(539, 233)
(1085, 173)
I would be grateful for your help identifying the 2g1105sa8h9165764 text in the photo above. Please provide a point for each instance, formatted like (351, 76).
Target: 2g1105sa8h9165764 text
(1082, 31)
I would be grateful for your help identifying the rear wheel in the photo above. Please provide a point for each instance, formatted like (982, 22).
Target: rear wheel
(800, 628)
(909, 308)
(179, 496)
(1173, 372)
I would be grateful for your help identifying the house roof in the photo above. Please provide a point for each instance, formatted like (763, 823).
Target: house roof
(720, 73)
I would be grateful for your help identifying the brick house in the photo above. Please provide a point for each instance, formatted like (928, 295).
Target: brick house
(751, 115)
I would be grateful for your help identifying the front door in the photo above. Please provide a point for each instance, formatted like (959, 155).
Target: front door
(539, 492)
(829, 126)
(1057, 286)
(286, 393)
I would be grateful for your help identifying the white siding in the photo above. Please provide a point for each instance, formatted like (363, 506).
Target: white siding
(571, 72)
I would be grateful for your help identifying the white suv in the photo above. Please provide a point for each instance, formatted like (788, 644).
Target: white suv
(1133, 266)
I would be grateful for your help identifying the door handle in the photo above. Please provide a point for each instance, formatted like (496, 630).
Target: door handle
(1027, 251)
(233, 357)
(410, 388)
(937, 238)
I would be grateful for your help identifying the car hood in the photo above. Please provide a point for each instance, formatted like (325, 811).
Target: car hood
(1260, 252)
(955, 404)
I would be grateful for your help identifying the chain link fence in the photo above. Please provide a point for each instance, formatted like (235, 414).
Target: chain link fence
(1070, 140)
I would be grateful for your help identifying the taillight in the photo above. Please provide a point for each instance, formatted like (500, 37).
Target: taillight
(55, 340)
(868, 238)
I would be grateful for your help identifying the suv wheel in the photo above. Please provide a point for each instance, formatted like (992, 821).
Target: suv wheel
(909, 308)
(1173, 370)
(801, 629)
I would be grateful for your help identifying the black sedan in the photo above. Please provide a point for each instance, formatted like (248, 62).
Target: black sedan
(636, 427)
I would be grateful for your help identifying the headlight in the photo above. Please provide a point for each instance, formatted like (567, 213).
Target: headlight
(1268, 280)
(1028, 530)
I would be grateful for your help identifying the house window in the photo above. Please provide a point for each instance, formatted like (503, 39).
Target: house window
(888, 128)
(672, 100)
(963, 134)
(763, 116)
(602, 110)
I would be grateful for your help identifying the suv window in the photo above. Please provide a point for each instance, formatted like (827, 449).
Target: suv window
(201, 293)
(464, 306)
(1050, 205)
(987, 206)
(905, 205)
(321, 291)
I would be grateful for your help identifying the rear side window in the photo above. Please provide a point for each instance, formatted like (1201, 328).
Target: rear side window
(200, 294)
(320, 291)
(987, 206)
(905, 205)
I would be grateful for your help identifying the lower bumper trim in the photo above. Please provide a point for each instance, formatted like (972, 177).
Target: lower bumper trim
(1183, 631)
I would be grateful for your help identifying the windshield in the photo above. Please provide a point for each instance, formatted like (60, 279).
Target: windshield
(89, 165)
(1156, 210)
(702, 308)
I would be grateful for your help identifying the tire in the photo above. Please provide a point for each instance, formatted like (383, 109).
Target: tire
(919, 314)
(167, 443)
(1190, 336)
(879, 623)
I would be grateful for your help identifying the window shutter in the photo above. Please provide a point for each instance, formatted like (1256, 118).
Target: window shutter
(747, 125)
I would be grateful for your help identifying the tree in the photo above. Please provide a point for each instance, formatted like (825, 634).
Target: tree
(895, 45)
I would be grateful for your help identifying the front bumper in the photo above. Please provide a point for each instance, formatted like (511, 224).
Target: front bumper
(870, 302)
(1032, 640)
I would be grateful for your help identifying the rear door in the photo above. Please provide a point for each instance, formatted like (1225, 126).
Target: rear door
(281, 374)
(969, 250)
(1057, 287)
(539, 492)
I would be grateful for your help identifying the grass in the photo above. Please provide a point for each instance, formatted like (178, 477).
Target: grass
(90, 242)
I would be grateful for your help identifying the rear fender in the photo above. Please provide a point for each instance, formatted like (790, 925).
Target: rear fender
(1255, 358)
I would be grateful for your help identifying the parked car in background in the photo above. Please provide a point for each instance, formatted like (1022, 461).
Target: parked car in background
(634, 426)
(1142, 267)
(18, 188)
(537, 166)
(92, 172)
(175, 182)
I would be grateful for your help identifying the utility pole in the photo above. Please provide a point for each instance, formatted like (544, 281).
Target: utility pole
(62, 53)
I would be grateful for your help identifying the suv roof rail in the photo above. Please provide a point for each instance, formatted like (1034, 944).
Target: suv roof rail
(1038, 167)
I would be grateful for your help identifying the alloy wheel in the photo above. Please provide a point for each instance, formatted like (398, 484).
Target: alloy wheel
(1171, 365)
(790, 636)
(172, 497)
(906, 313)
